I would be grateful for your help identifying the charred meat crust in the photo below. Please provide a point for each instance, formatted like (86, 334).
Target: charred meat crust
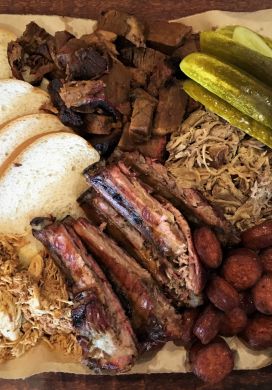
(98, 318)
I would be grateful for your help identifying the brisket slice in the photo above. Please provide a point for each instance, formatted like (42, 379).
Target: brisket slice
(103, 330)
(155, 221)
(153, 318)
(161, 269)
(190, 201)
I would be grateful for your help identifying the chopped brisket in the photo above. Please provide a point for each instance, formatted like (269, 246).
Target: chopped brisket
(142, 116)
(165, 36)
(138, 78)
(99, 124)
(98, 318)
(117, 83)
(102, 41)
(145, 59)
(161, 75)
(29, 56)
(75, 94)
(191, 45)
(153, 318)
(170, 110)
(124, 25)
(81, 62)
(154, 147)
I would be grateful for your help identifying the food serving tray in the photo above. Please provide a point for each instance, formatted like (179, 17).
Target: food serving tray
(148, 10)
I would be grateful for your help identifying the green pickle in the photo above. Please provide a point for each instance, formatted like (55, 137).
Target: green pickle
(239, 89)
(226, 111)
(226, 49)
(251, 40)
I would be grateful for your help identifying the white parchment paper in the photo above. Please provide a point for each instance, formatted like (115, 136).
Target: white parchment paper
(170, 358)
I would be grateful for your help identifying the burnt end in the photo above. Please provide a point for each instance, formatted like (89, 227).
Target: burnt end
(29, 56)
(171, 109)
(191, 45)
(165, 36)
(145, 59)
(124, 25)
(162, 74)
(117, 84)
(86, 64)
(142, 118)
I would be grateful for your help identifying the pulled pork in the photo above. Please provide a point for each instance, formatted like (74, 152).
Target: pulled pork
(232, 170)
(34, 303)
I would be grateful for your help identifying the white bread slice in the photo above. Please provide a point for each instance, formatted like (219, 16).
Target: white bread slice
(16, 134)
(6, 36)
(18, 98)
(45, 179)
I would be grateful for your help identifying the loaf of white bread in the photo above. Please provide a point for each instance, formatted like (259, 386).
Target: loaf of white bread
(44, 179)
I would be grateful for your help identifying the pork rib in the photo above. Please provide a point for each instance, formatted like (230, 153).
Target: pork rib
(103, 329)
(153, 318)
(162, 270)
(188, 200)
(156, 223)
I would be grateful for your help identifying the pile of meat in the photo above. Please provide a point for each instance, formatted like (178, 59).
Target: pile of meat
(117, 85)
(230, 168)
(141, 275)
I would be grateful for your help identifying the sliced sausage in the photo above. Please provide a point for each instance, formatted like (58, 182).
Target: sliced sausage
(211, 362)
(207, 325)
(262, 295)
(258, 332)
(189, 317)
(222, 294)
(208, 247)
(259, 236)
(233, 322)
(266, 259)
(246, 302)
(242, 269)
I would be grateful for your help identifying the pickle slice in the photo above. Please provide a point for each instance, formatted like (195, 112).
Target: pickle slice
(242, 91)
(228, 32)
(226, 111)
(251, 40)
(226, 49)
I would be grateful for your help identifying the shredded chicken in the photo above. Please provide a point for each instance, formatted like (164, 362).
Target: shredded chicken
(34, 303)
(232, 170)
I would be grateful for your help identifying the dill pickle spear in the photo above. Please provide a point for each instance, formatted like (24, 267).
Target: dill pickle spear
(226, 111)
(246, 93)
(229, 30)
(252, 40)
(226, 49)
